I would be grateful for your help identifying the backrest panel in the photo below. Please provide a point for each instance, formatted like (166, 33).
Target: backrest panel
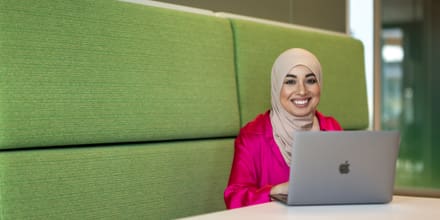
(99, 71)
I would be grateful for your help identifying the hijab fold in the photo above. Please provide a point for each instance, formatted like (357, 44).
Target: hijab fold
(283, 123)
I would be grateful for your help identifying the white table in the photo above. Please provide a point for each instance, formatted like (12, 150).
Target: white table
(402, 207)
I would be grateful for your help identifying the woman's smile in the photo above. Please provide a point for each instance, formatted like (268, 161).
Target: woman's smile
(301, 102)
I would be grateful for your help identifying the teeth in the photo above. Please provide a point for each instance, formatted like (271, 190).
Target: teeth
(301, 102)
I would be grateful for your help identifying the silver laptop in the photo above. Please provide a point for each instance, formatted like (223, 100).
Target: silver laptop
(348, 167)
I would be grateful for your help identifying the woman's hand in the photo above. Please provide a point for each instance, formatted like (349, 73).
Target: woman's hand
(280, 188)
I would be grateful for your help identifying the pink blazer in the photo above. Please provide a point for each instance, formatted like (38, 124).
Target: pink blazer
(258, 164)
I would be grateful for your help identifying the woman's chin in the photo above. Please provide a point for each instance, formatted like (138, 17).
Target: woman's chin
(301, 113)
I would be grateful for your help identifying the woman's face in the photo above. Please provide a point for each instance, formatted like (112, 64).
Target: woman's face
(300, 92)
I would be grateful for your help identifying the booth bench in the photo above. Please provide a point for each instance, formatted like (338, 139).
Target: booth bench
(124, 110)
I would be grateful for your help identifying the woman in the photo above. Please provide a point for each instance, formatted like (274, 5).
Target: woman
(263, 147)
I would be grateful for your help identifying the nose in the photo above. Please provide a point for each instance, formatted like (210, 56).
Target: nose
(301, 89)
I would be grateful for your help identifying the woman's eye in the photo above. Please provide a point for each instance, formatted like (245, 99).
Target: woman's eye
(311, 81)
(290, 82)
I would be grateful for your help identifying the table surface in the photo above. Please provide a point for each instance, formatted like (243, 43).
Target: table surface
(401, 207)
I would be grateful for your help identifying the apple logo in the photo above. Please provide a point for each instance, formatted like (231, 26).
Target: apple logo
(344, 168)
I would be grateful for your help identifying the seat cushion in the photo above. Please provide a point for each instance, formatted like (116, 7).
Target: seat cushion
(133, 181)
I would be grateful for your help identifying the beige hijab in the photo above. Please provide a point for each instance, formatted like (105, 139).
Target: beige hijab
(284, 124)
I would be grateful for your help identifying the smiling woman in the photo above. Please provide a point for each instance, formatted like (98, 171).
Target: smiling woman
(263, 147)
(296, 88)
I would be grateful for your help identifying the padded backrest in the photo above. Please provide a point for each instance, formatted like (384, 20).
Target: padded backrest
(101, 71)
(258, 44)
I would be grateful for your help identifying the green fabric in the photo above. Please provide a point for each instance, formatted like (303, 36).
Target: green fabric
(257, 45)
(140, 181)
(96, 71)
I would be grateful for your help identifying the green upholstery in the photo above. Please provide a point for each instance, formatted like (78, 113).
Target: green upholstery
(344, 88)
(139, 181)
(102, 71)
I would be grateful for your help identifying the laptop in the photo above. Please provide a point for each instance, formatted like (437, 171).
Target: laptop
(345, 167)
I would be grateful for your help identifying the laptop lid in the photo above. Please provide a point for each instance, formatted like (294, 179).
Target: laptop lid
(348, 167)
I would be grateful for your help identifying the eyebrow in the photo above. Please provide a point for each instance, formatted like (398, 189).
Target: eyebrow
(308, 75)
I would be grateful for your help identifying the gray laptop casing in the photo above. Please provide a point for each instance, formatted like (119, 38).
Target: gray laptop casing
(349, 167)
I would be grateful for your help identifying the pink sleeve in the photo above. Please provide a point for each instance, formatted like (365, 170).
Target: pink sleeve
(242, 189)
